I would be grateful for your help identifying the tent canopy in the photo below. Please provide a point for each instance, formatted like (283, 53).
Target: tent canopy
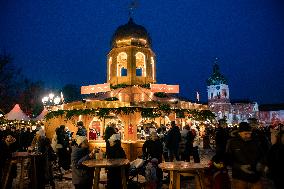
(17, 114)
(41, 115)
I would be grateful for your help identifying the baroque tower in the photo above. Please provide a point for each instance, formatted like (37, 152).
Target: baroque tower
(131, 60)
(218, 93)
(217, 86)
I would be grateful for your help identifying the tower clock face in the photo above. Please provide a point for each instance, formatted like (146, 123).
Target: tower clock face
(218, 87)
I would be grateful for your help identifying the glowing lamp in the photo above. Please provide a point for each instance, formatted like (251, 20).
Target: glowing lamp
(57, 100)
(44, 99)
(51, 95)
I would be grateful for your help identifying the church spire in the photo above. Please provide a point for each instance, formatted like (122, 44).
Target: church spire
(216, 68)
(133, 5)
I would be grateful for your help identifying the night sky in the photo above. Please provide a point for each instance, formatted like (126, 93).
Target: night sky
(67, 41)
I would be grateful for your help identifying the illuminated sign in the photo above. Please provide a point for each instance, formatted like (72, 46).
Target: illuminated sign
(164, 88)
(95, 88)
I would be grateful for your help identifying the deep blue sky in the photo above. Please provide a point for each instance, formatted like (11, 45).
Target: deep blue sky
(66, 41)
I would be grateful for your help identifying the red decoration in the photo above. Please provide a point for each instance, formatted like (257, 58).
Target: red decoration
(130, 129)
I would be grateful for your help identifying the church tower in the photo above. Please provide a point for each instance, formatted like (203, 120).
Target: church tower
(131, 60)
(218, 93)
(217, 86)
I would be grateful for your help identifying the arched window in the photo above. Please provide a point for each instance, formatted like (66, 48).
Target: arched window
(140, 64)
(139, 71)
(224, 93)
(122, 64)
(153, 68)
(123, 71)
(109, 67)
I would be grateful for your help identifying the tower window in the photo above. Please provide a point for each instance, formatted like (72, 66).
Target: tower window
(139, 72)
(109, 68)
(123, 71)
(141, 63)
(224, 93)
(121, 64)
(153, 67)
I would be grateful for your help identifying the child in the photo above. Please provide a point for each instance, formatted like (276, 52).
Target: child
(218, 174)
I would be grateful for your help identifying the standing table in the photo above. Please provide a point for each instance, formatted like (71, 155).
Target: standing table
(107, 163)
(20, 157)
(181, 168)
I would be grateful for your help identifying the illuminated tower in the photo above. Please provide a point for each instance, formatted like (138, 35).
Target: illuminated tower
(218, 93)
(217, 86)
(131, 60)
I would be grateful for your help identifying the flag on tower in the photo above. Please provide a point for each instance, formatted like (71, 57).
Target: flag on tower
(197, 96)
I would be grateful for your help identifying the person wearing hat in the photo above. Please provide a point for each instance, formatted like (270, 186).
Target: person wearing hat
(81, 129)
(245, 155)
(82, 176)
(115, 152)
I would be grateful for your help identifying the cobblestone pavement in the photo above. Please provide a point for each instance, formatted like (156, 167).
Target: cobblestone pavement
(66, 182)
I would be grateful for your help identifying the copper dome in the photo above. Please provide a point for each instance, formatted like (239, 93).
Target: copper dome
(131, 34)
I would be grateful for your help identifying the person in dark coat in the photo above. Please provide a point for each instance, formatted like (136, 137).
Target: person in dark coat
(22, 142)
(82, 131)
(184, 142)
(259, 134)
(82, 176)
(44, 162)
(7, 148)
(2, 131)
(63, 152)
(192, 142)
(221, 137)
(153, 149)
(109, 131)
(173, 140)
(275, 161)
(245, 155)
(115, 152)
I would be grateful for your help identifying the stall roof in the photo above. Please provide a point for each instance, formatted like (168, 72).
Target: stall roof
(16, 114)
(41, 115)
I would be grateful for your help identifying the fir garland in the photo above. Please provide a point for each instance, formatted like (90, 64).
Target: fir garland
(111, 99)
(160, 95)
(165, 109)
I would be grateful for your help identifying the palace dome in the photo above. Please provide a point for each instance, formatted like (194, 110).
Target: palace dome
(131, 34)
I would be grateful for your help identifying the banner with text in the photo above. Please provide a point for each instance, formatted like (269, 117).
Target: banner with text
(164, 88)
(95, 88)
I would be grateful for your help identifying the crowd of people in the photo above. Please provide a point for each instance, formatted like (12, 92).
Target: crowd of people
(250, 150)
(26, 140)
